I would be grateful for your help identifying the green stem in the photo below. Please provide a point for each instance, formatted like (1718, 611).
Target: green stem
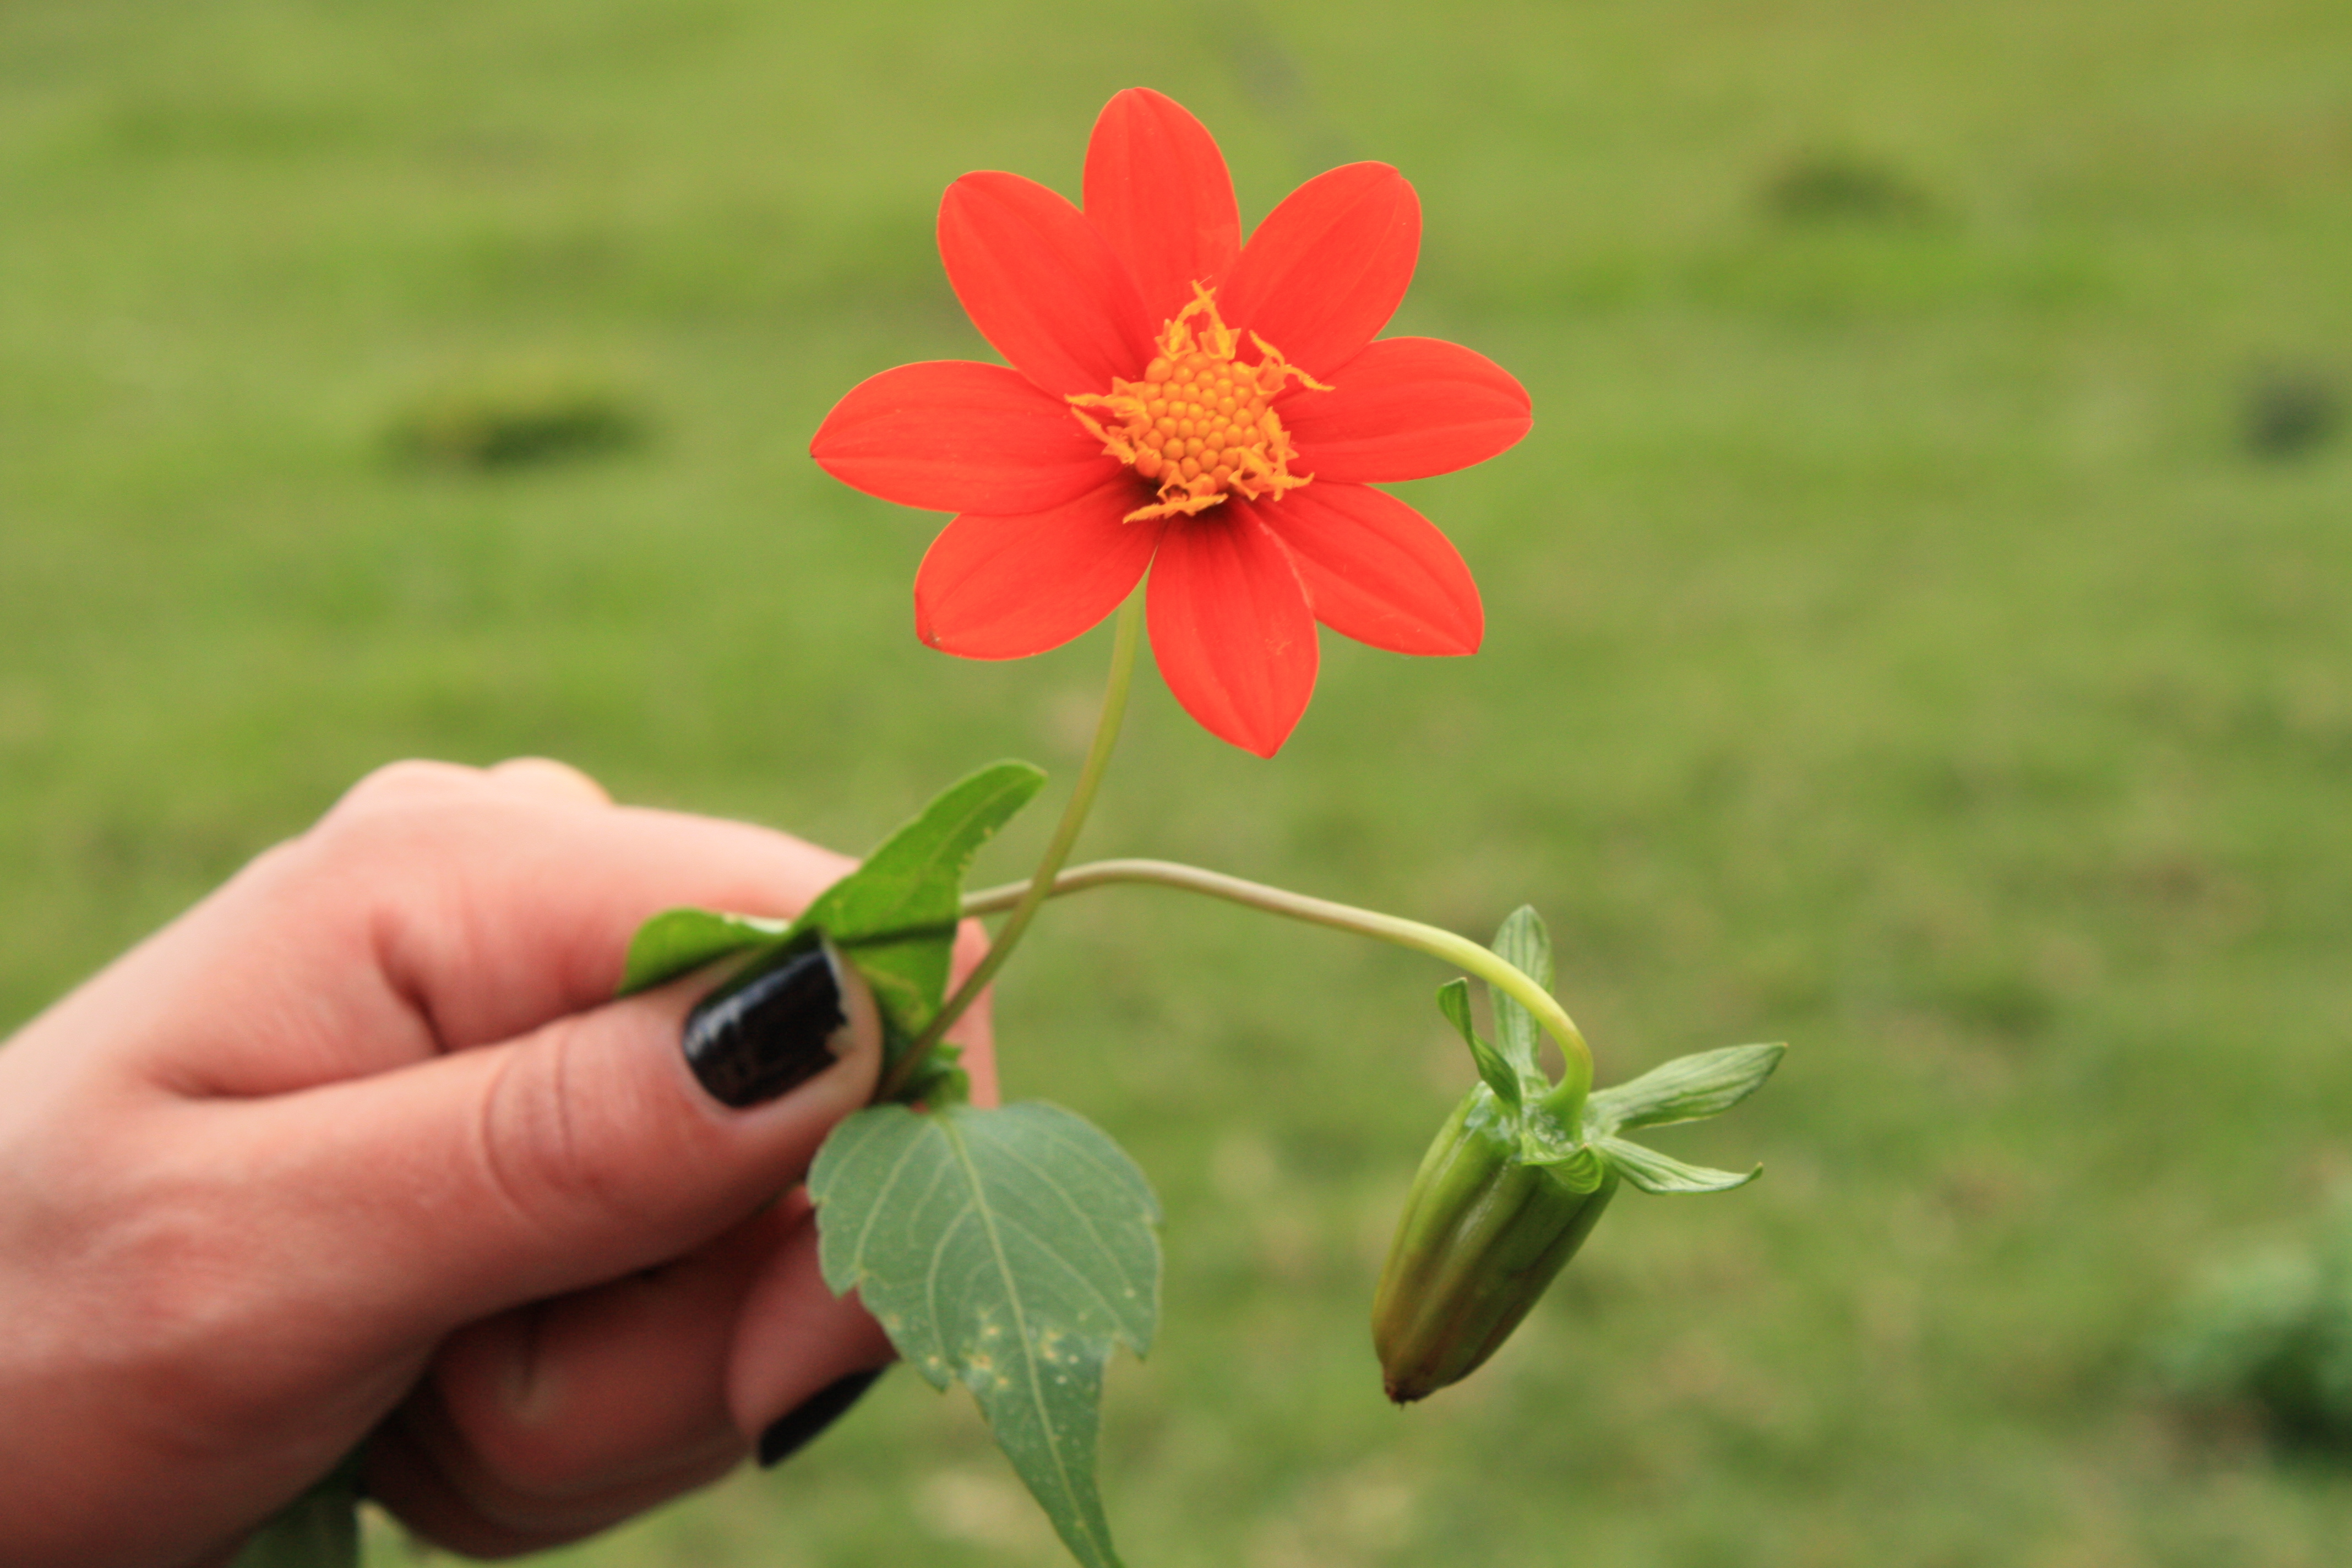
(1032, 896)
(321, 1528)
(1438, 942)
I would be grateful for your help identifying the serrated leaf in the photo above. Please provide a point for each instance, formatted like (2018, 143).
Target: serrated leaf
(1454, 1001)
(1009, 1249)
(1523, 943)
(1683, 1089)
(915, 880)
(896, 915)
(1655, 1172)
(679, 941)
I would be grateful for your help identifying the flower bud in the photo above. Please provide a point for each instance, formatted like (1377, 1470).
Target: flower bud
(1483, 1234)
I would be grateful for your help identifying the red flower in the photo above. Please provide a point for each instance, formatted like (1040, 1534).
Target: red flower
(1178, 401)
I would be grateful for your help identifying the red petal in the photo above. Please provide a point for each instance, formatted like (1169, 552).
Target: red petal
(953, 435)
(1231, 628)
(1324, 270)
(1376, 569)
(1406, 408)
(1006, 587)
(1042, 284)
(1158, 188)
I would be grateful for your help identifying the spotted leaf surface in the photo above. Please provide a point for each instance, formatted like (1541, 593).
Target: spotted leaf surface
(1009, 1249)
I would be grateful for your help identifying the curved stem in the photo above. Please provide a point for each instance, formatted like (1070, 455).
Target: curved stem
(1033, 894)
(1438, 942)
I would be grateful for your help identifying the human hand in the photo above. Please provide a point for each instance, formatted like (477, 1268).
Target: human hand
(360, 1145)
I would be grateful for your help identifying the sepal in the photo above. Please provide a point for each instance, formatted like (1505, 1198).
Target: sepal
(1524, 943)
(1454, 1001)
(1687, 1088)
(1579, 1167)
(1528, 1104)
(1655, 1172)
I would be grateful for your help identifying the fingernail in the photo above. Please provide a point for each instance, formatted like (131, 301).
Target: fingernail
(768, 1030)
(805, 1422)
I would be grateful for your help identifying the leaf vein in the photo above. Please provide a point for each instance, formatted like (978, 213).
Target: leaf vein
(1021, 1328)
(1109, 1254)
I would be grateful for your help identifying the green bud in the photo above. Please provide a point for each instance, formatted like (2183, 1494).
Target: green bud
(1483, 1236)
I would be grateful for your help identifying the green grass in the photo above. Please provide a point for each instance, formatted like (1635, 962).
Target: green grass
(1894, 649)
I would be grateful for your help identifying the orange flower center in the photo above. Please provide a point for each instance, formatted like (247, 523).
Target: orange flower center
(1201, 424)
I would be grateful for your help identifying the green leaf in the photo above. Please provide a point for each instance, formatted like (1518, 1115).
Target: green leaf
(1011, 1249)
(679, 941)
(1655, 1172)
(1683, 1089)
(894, 917)
(1523, 943)
(1454, 1001)
(915, 881)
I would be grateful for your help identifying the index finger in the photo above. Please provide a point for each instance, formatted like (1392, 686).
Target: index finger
(433, 910)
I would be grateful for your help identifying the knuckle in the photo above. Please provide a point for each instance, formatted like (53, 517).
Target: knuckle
(407, 783)
(560, 1159)
(544, 1417)
(528, 1448)
(386, 815)
(534, 1155)
(389, 824)
(551, 778)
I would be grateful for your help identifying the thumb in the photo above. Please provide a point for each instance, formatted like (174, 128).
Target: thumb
(603, 1142)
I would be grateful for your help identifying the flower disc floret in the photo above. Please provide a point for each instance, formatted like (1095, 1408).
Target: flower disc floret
(1201, 424)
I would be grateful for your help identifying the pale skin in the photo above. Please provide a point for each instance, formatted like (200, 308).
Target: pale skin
(360, 1145)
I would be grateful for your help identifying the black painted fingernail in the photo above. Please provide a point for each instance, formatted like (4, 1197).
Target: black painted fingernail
(768, 1030)
(798, 1428)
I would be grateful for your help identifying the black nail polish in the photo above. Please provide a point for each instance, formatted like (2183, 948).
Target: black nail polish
(798, 1428)
(768, 1030)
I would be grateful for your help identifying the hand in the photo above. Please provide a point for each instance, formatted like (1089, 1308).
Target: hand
(360, 1144)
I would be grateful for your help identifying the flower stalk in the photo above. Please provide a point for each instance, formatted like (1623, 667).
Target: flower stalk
(1124, 639)
(1434, 940)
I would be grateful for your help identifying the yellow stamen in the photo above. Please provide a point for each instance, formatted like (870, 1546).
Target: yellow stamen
(1200, 424)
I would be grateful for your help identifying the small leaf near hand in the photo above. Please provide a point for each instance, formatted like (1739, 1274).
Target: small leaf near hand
(679, 941)
(1683, 1089)
(1011, 1249)
(894, 917)
(915, 880)
(1454, 1001)
(1655, 1172)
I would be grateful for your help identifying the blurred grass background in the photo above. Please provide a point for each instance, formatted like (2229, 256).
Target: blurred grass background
(1916, 632)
